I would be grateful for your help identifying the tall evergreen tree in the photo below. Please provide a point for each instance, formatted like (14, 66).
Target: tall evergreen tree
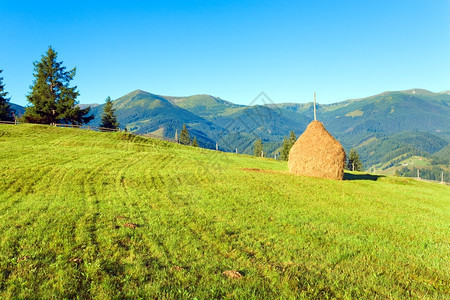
(52, 99)
(185, 139)
(6, 113)
(109, 118)
(354, 162)
(258, 148)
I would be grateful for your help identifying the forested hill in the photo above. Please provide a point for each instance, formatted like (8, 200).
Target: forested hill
(384, 127)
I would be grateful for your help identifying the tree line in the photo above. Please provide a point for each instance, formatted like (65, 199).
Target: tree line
(52, 99)
(434, 173)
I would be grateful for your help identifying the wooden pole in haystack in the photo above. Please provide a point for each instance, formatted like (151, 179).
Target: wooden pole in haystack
(315, 118)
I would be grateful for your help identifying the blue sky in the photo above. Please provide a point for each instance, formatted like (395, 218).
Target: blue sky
(231, 49)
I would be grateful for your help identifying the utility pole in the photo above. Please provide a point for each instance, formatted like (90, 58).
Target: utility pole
(315, 118)
(176, 135)
(442, 177)
(418, 174)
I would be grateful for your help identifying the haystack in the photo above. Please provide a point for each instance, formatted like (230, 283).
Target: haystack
(317, 153)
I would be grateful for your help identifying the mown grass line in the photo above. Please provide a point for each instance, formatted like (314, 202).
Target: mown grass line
(65, 199)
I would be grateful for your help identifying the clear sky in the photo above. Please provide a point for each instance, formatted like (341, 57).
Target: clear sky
(231, 49)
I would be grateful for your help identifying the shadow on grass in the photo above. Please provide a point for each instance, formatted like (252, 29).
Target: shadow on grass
(350, 176)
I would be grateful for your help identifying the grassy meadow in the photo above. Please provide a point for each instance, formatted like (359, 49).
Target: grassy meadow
(109, 215)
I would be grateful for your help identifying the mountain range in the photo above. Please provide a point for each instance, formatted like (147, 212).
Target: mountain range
(384, 127)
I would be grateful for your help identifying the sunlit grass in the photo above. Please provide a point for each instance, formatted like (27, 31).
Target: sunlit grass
(66, 194)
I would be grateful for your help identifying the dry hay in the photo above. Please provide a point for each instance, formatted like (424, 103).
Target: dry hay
(130, 225)
(252, 169)
(76, 260)
(176, 268)
(22, 258)
(317, 153)
(260, 170)
(232, 274)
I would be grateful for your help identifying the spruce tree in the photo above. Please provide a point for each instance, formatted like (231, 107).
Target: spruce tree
(354, 163)
(6, 113)
(185, 139)
(285, 149)
(52, 99)
(109, 118)
(258, 148)
(287, 145)
(292, 139)
(195, 142)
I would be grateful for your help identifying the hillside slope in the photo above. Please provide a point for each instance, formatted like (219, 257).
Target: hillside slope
(383, 115)
(104, 215)
(390, 113)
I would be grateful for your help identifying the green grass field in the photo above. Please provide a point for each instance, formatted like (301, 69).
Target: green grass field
(66, 194)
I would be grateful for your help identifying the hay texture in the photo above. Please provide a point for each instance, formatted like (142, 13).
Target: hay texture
(317, 153)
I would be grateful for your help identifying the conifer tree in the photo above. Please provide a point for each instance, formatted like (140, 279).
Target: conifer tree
(292, 139)
(6, 113)
(185, 139)
(285, 149)
(195, 142)
(109, 118)
(52, 99)
(258, 148)
(287, 145)
(354, 162)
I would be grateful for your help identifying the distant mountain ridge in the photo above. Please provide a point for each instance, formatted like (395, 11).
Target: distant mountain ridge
(18, 109)
(383, 126)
